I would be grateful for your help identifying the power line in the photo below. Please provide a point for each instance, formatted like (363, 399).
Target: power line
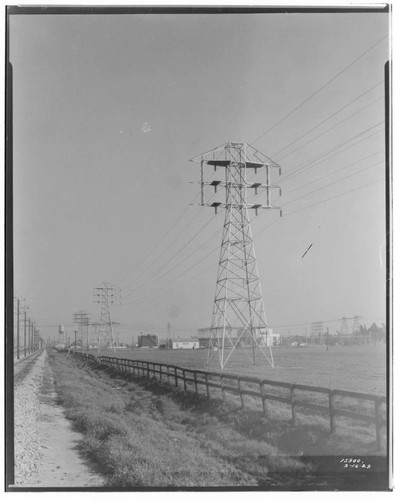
(147, 255)
(327, 119)
(330, 128)
(186, 258)
(157, 245)
(334, 172)
(173, 256)
(324, 201)
(319, 203)
(331, 184)
(185, 272)
(320, 89)
(143, 272)
(150, 297)
(337, 196)
(321, 157)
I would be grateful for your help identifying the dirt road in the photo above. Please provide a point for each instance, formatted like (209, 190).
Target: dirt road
(46, 447)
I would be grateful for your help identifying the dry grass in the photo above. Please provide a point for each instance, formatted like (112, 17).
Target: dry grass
(157, 438)
(148, 434)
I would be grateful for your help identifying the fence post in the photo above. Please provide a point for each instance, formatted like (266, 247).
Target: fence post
(262, 390)
(207, 386)
(160, 372)
(292, 394)
(222, 388)
(168, 374)
(196, 386)
(147, 370)
(240, 393)
(377, 414)
(175, 376)
(185, 382)
(332, 423)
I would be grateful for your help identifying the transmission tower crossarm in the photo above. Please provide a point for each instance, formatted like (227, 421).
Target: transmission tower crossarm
(254, 185)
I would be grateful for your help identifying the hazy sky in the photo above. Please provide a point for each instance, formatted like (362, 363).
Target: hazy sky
(109, 109)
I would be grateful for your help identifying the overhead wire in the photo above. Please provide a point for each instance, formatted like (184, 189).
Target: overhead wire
(333, 172)
(140, 266)
(186, 258)
(196, 263)
(184, 272)
(330, 128)
(178, 252)
(259, 232)
(319, 89)
(332, 151)
(153, 248)
(143, 272)
(332, 183)
(151, 297)
(322, 201)
(326, 119)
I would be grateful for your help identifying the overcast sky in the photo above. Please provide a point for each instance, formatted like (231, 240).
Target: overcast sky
(109, 109)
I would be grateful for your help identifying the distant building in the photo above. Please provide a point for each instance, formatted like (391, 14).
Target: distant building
(184, 344)
(204, 335)
(148, 340)
(270, 338)
(265, 337)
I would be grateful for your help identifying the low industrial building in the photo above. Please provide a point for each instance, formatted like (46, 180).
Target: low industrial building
(147, 341)
(184, 344)
(263, 337)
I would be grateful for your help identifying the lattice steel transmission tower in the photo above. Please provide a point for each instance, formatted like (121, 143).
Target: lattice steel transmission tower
(238, 318)
(317, 332)
(106, 295)
(81, 319)
(356, 324)
(344, 332)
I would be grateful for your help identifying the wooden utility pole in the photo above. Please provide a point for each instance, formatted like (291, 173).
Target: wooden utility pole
(33, 330)
(30, 336)
(24, 333)
(17, 328)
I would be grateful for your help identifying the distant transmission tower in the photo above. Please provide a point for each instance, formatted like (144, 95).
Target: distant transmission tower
(317, 332)
(344, 326)
(238, 318)
(356, 324)
(81, 319)
(106, 295)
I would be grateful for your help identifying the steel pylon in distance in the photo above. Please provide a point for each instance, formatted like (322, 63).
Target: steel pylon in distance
(238, 318)
(106, 295)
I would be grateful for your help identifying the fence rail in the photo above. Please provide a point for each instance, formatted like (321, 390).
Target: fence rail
(253, 387)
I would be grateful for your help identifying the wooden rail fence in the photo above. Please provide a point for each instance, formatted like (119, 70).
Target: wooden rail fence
(242, 386)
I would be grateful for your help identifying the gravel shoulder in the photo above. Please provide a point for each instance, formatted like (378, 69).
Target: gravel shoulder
(46, 446)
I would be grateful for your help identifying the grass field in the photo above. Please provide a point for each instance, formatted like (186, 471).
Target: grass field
(147, 434)
(352, 368)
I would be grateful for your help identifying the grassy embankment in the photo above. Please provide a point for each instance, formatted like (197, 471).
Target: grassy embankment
(144, 434)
